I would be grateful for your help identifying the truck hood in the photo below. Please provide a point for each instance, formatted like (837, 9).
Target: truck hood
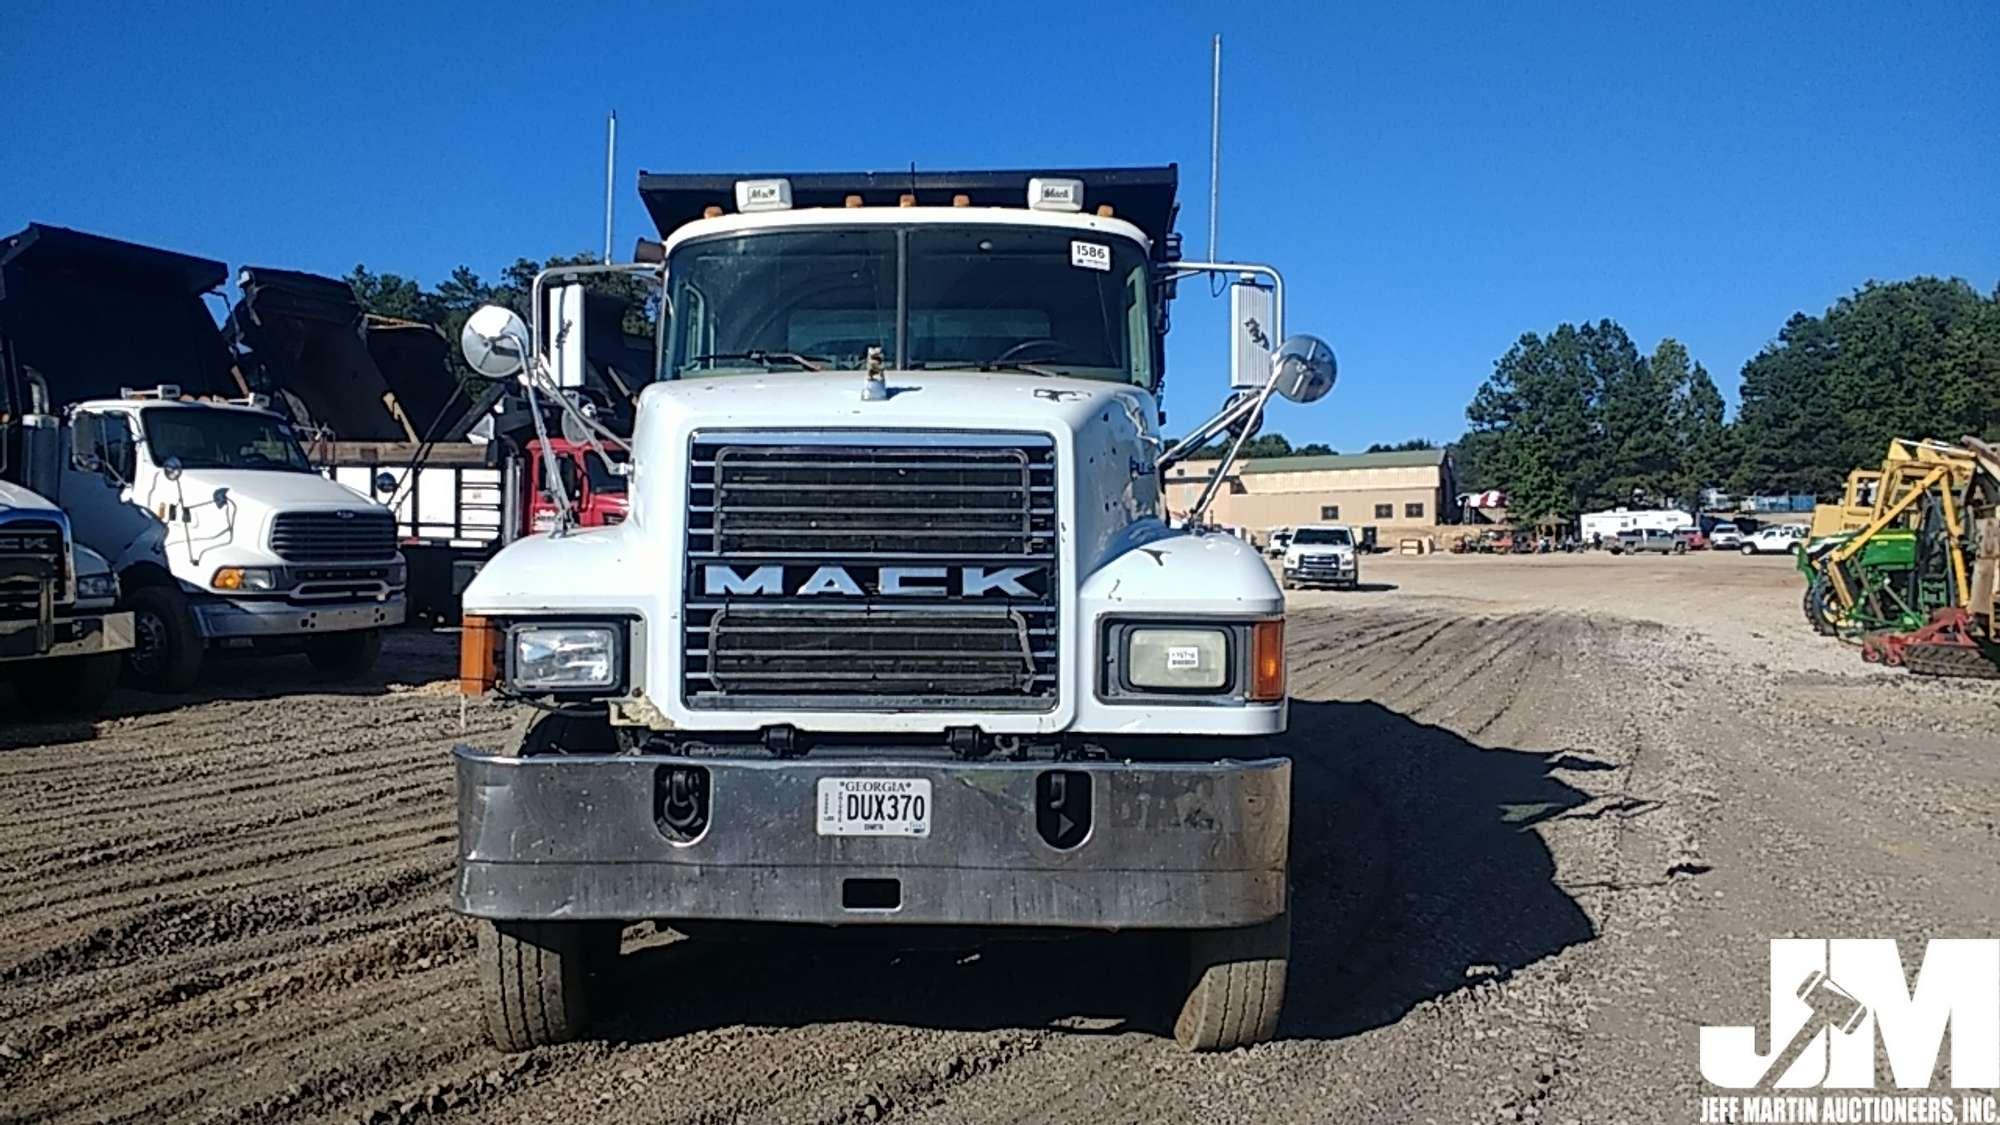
(1109, 431)
(226, 513)
(14, 498)
(274, 490)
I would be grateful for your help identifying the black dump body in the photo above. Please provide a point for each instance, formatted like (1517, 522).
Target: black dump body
(300, 339)
(305, 340)
(1141, 196)
(92, 315)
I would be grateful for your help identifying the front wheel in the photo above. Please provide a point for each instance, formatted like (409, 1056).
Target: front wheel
(1821, 608)
(167, 646)
(1235, 985)
(345, 655)
(1748, 549)
(538, 979)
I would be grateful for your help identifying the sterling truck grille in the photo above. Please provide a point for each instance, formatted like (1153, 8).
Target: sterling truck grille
(879, 570)
(31, 555)
(353, 535)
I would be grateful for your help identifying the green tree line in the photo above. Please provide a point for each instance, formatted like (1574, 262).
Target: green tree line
(448, 303)
(1579, 418)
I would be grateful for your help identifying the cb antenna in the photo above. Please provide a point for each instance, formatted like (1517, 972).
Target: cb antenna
(1214, 142)
(610, 174)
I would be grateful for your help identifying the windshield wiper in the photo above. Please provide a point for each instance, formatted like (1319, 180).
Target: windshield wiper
(802, 362)
(1002, 365)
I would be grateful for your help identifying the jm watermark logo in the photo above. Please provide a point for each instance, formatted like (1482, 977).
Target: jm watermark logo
(1832, 1002)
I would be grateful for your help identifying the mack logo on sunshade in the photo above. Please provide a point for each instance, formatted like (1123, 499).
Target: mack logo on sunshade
(778, 580)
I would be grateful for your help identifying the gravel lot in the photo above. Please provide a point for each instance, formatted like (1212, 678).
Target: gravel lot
(1548, 812)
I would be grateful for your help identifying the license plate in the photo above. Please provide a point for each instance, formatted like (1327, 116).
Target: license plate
(874, 806)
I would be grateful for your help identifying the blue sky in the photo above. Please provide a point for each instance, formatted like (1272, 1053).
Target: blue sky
(1434, 180)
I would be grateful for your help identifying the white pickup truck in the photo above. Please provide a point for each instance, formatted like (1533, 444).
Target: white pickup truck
(1322, 555)
(895, 633)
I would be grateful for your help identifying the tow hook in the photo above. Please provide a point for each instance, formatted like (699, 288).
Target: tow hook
(681, 801)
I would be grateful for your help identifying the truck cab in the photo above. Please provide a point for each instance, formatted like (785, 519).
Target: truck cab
(595, 491)
(895, 632)
(222, 533)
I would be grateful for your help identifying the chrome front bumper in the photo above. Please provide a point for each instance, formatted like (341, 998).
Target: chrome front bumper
(86, 634)
(1170, 845)
(249, 617)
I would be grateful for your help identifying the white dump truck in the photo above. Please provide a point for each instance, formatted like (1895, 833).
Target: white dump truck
(222, 533)
(60, 637)
(895, 633)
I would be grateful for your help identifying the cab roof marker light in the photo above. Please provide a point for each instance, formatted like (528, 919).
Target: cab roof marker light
(763, 195)
(1047, 193)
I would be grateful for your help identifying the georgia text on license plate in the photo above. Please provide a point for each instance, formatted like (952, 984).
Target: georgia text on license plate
(874, 806)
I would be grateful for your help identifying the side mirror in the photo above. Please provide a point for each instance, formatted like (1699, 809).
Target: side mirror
(1304, 368)
(385, 483)
(495, 343)
(172, 469)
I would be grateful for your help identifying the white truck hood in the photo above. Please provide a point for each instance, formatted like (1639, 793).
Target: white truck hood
(225, 514)
(14, 498)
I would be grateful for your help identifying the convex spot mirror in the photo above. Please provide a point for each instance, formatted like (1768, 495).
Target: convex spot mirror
(495, 342)
(1304, 368)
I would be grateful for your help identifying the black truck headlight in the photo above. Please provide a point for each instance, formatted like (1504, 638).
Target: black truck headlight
(1177, 659)
(562, 657)
(97, 587)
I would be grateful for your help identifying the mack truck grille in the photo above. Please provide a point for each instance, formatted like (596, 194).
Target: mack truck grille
(31, 554)
(885, 570)
(349, 535)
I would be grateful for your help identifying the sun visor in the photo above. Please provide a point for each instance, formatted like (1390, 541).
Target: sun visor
(1143, 197)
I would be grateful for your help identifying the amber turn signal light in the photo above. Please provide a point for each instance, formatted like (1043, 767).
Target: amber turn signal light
(1267, 661)
(478, 655)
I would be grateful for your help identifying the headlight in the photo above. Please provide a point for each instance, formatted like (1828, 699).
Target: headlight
(253, 578)
(562, 657)
(398, 574)
(1177, 659)
(97, 587)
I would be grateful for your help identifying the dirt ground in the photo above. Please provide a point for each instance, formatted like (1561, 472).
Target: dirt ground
(1548, 813)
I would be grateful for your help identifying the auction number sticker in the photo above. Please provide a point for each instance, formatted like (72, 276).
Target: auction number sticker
(1180, 657)
(874, 806)
(1090, 256)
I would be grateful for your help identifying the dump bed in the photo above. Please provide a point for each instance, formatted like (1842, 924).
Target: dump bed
(91, 315)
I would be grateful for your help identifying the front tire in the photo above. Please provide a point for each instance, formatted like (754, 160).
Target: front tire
(69, 687)
(1235, 985)
(346, 655)
(167, 646)
(1748, 549)
(1822, 612)
(537, 979)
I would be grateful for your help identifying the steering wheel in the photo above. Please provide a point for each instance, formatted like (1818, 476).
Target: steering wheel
(1026, 345)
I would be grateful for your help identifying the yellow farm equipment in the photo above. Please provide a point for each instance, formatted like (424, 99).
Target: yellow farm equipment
(1907, 563)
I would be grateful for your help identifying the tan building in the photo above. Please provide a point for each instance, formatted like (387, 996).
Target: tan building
(1396, 493)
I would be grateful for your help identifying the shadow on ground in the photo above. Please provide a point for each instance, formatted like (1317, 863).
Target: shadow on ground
(1415, 873)
(410, 655)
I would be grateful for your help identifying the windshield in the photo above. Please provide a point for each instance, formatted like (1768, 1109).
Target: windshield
(205, 438)
(1322, 537)
(971, 297)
